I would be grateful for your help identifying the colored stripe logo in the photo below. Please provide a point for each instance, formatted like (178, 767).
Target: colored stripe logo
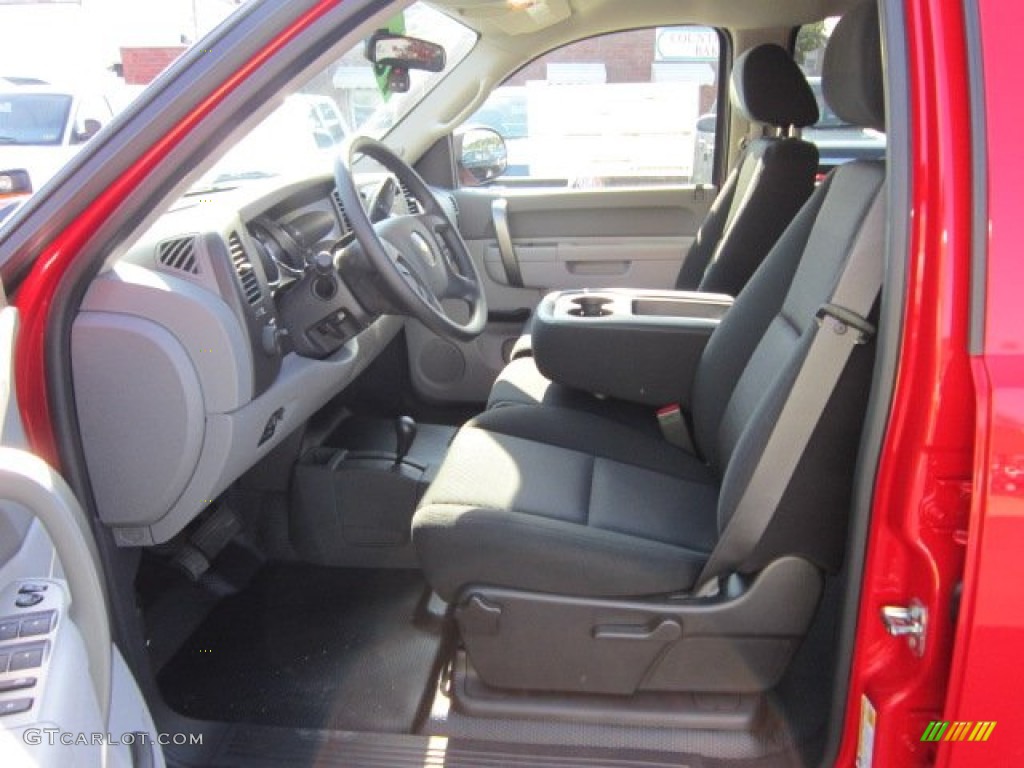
(943, 730)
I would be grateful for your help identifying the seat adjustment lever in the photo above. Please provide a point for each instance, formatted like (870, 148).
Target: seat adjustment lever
(665, 631)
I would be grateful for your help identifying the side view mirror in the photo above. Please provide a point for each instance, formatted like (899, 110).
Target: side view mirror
(707, 124)
(481, 155)
(86, 130)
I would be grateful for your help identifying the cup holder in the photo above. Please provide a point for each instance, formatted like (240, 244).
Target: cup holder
(590, 306)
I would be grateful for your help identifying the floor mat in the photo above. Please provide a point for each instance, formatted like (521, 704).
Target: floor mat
(310, 647)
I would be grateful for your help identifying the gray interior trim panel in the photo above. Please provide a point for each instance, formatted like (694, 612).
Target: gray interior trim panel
(633, 211)
(204, 325)
(11, 431)
(28, 481)
(234, 442)
(142, 440)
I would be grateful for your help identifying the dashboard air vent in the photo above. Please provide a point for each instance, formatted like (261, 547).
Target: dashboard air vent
(246, 276)
(411, 203)
(179, 254)
(346, 223)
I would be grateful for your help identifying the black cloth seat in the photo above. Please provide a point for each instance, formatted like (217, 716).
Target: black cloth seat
(576, 503)
(538, 497)
(772, 178)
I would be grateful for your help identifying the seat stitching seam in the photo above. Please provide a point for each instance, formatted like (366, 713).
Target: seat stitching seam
(641, 541)
(590, 492)
(685, 478)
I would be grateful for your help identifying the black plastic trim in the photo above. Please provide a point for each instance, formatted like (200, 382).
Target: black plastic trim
(979, 178)
(518, 316)
(720, 163)
(704, 711)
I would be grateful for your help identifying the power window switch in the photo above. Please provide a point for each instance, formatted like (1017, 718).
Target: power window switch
(8, 629)
(37, 625)
(29, 659)
(17, 684)
(15, 706)
(29, 599)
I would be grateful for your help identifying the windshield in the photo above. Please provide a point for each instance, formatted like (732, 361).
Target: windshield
(33, 118)
(346, 98)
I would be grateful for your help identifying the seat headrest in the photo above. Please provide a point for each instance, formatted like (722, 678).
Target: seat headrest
(851, 76)
(768, 87)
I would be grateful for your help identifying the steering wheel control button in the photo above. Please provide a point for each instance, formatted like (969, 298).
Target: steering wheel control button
(37, 625)
(8, 629)
(28, 599)
(30, 658)
(16, 684)
(15, 706)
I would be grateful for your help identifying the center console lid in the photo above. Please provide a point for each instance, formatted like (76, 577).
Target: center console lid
(641, 346)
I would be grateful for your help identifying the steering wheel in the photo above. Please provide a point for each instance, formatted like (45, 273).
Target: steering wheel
(420, 257)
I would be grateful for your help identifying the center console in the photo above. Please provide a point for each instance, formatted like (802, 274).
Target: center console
(641, 346)
(353, 499)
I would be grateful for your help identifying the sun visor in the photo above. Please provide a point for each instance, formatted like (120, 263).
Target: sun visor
(513, 17)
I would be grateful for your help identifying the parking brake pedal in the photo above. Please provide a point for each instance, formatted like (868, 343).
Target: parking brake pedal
(208, 540)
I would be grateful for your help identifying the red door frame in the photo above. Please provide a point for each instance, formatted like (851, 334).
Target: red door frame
(986, 681)
(916, 545)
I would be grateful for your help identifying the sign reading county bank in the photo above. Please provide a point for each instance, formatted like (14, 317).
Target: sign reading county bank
(686, 44)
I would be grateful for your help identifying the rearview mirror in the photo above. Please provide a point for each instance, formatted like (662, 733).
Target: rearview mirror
(389, 50)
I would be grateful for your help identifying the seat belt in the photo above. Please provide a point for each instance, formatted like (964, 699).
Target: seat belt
(841, 327)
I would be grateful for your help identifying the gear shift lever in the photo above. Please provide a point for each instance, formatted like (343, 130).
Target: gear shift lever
(405, 434)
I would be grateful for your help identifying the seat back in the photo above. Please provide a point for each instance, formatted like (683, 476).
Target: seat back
(772, 179)
(748, 368)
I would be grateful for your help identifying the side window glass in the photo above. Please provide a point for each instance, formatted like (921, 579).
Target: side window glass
(623, 109)
(837, 140)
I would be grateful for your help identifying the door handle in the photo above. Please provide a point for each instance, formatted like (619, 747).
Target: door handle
(509, 260)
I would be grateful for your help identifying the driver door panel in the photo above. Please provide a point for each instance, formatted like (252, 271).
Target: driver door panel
(561, 238)
(67, 696)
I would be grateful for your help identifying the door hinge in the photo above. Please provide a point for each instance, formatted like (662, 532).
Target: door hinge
(909, 621)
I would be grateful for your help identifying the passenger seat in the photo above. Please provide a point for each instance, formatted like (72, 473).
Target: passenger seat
(772, 179)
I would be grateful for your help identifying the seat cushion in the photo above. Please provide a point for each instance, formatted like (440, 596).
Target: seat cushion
(606, 510)
(521, 383)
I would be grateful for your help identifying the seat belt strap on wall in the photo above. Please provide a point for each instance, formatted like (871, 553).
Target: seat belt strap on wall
(841, 327)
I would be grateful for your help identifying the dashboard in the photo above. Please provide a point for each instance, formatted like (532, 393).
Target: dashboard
(211, 339)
